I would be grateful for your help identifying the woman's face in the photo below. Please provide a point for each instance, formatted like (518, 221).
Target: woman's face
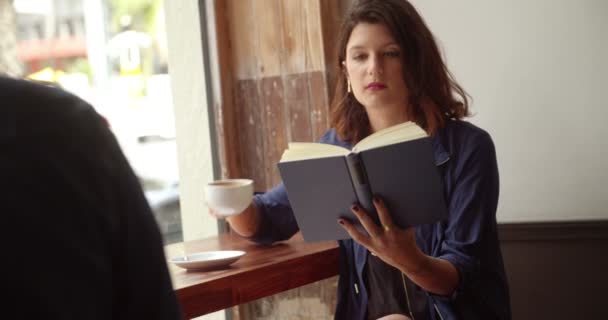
(375, 69)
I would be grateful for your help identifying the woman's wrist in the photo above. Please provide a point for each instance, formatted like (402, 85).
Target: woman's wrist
(434, 275)
(246, 222)
(416, 263)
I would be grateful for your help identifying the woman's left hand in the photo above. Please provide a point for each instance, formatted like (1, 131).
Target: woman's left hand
(390, 243)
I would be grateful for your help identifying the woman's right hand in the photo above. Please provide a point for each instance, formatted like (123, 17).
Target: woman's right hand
(244, 223)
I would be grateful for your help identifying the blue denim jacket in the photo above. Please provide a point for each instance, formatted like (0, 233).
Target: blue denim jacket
(466, 158)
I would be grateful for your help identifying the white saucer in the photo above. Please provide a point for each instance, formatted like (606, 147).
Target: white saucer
(207, 259)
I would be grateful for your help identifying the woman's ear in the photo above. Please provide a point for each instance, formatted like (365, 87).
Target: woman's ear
(348, 85)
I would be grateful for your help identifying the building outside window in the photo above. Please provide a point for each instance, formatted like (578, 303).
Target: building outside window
(113, 54)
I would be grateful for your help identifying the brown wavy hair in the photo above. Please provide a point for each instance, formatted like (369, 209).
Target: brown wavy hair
(434, 95)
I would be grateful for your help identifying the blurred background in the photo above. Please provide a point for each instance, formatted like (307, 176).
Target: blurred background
(113, 54)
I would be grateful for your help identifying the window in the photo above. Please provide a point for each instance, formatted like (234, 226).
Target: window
(113, 54)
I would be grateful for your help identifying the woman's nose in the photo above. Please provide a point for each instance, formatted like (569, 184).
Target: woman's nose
(375, 65)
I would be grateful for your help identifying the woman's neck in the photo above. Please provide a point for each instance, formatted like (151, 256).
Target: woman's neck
(383, 118)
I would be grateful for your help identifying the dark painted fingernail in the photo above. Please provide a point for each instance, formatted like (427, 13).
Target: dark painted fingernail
(376, 199)
(355, 207)
(340, 221)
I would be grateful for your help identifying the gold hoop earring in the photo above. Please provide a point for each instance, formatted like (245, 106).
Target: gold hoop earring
(348, 88)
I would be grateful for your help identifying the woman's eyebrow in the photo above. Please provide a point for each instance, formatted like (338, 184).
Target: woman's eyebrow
(357, 47)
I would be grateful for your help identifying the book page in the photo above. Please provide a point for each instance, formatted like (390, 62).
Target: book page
(310, 150)
(398, 133)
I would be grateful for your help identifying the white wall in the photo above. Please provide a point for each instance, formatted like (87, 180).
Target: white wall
(537, 70)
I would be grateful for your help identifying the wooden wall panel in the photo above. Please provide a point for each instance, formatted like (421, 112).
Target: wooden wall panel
(251, 127)
(315, 59)
(319, 104)
(331, 14)
(242, 32)
(275, 130)
(556, 270)
(260, 39)
(268, 17)
(314, 301)
(298, 107)
(294, 34)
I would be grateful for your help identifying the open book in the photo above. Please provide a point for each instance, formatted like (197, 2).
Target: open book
(396, 163)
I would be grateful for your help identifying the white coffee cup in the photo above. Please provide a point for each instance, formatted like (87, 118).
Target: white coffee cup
(229, 196)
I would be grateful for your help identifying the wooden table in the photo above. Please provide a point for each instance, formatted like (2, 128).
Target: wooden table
(263, 271)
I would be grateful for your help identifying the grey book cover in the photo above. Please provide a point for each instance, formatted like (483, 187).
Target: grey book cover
(323, 190)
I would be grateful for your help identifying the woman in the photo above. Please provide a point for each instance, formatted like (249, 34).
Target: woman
(392, 72)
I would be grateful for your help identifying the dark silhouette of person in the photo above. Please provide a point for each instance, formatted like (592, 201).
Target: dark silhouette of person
(82, 242)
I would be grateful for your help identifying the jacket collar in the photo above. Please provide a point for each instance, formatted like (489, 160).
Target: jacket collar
(439, 151)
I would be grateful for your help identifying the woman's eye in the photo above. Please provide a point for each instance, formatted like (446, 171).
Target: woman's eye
(392, 54)
(359, 56)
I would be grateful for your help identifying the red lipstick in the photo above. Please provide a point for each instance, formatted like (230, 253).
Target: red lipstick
(375, 86)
